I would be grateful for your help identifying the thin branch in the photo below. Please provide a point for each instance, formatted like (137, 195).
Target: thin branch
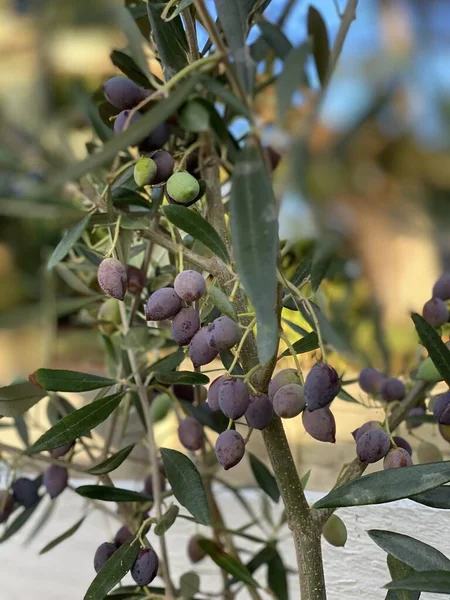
(153, 453)
(212, 265)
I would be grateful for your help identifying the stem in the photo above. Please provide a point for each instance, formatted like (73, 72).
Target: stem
(153, 453)
(212, 265)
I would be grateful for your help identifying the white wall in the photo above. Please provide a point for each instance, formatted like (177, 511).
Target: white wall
(354, 572)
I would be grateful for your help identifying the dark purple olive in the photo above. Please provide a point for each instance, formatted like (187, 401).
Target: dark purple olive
(393, 389)
(103, 554)
(145, 567)
(230, 448)
(162, 304)
(322, 385)
(259, 412)
(441, 288)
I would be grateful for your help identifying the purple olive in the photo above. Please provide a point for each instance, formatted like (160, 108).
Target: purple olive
(122, 92)
(322, 385)
(435, 312)
(194, 551)
(402, 443)
(282, 378)
(373, 445)
(135, 279)
(112, 278)
(366, 427)
(55, 480)
(185, 325)
(223, 333)
(441, 288)
(393, 389)
(189, 285)
(190, 434)
(397, 458)
(259, 412)
(103, 554)
(162, 304)
(213, 393)
(371, 380)
(25, 492)
(320, 424)
(230, 448)
(164, 166)
(145, 567)
(61, 450)
(233, 398)
(199, 351)
(123, 535)
(289, 401)
(441, 409)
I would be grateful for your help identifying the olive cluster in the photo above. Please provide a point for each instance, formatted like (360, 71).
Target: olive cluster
(156, 166)
(25, 491)
(435, 311)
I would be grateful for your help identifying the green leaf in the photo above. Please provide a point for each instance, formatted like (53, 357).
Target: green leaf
(189, 584)
(111, 463)
(134, 37)
(168, 363)
(22, 429)
(186, 484)
(167, 520)
(113, 570)
(221, 300)
(292, 76)
(64, 536)
(57, 380)
(304, 480)
(215, 87)
(233, 17)
(92, 112)
(68, 240)
(186, 377)
(397, 569)
(277, 577)
(18, 398)
(126, 64)
(264, 477)
(227, 358)
(193, 223)
(321, 45)
(110, 494)
(227, 562)
(426, 581)
(437, 498)
(274, 37)
(14, 526)
(414, 553)
(265, 555)
(344, 395)
(386, 486)
(76, 424)
(170, 39)
(131, 136)
(438, 351)
(254, 229)
(306, 344)
(428, 372)
(323, 256)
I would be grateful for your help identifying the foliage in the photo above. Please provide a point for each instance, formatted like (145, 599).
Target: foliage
(172, 246)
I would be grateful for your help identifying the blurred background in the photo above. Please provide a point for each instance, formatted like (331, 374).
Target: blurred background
(374, 191)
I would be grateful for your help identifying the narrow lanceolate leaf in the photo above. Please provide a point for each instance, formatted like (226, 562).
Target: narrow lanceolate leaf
(64, 536)
(193, 223)
(57, 380)
(264, 477)
(167, 520)
(414, 553)
(186, 377)
(292, 76)
(18, 398)
(438, 351)
(317, 30)
(110, 494)
(170, 39)
(22, 429)
(274, 37)
(306, 344)
(134, 38)
(68, 240)
(437, 498)
(20, 520)
(397, 570)
(113, 570)
(233, 17)
(254, 230)
(277, 577)
(168, 363)
(76, 424)
(425, 581)
(386, 486)
(227, 562)
(264, 556)
(186, 484)
(221, 300)
(127, 65)
(111, 463)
